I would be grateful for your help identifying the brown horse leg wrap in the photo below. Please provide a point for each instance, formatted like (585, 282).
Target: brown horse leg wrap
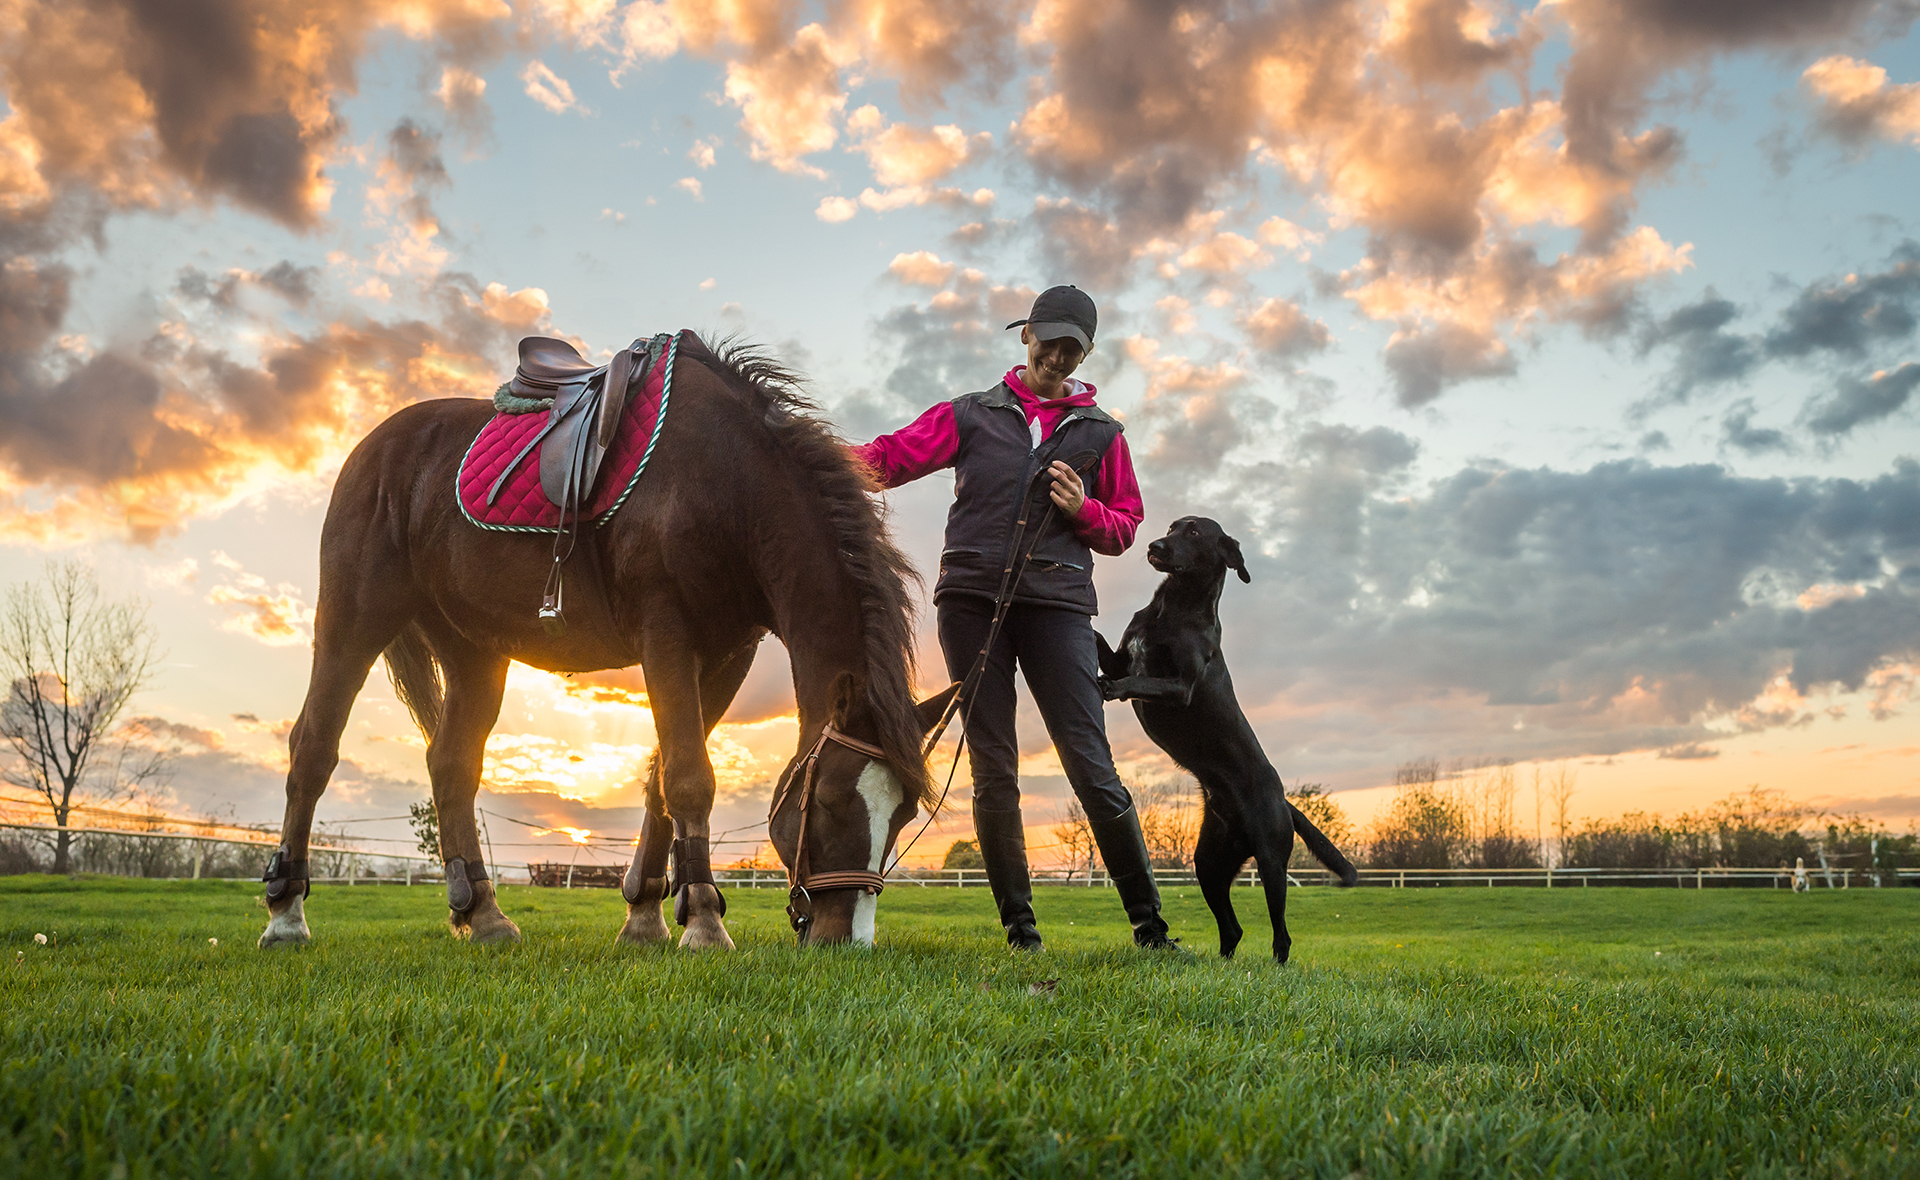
(283, 874)
(692, 865)
(649, 864)
(460, 878)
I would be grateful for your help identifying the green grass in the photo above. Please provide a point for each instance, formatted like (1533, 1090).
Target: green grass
(1447, 1032)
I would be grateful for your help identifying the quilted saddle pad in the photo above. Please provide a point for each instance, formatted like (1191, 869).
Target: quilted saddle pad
(520, 506)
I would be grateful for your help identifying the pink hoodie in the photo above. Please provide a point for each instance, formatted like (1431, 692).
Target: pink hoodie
(1113, 509)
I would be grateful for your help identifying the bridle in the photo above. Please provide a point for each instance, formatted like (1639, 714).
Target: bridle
(802, 884)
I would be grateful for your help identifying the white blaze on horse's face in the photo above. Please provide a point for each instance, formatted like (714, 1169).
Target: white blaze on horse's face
(881, 792)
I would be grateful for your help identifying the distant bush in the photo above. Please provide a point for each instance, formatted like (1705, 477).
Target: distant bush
(1457, 820)
(965, 854)
(1755, 828)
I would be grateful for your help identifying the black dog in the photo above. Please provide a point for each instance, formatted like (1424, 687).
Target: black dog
(1170, 666)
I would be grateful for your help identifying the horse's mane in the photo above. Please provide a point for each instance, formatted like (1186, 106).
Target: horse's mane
(879, 571)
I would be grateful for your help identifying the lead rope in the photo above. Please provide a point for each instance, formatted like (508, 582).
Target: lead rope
(1009, 578)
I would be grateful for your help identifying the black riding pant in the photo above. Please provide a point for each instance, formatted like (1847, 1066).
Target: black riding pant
(1056, 651)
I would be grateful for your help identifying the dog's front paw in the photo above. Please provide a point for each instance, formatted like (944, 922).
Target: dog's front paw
(1108, 692)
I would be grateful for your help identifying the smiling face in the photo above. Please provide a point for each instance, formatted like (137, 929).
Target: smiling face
(1050, 362)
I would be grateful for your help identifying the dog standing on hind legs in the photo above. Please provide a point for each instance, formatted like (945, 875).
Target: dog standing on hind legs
(1171, 667)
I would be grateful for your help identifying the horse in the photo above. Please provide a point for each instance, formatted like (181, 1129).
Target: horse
(753, 518)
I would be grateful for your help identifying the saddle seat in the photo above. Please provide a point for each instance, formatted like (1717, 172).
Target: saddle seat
(545, 361)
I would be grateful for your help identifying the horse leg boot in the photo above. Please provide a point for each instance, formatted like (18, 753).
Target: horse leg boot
(456, 750)
(340, 665)
(645, 886)
(1003, 846)
(1124, 849)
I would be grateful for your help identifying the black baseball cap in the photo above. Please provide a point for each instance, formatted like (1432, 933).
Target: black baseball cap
(1062, 311)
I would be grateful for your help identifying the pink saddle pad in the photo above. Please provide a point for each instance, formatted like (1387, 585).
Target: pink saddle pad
(521, 507)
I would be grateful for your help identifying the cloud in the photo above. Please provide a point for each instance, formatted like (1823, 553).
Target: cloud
(1424, 361)
(954, 341)
(1197, 411)
(134, 440)
(549, 89)
(275, 615)
(1857, 402)
(691, 186)
(1850, 315)
(922, 268)
(1279, 328)
(1849, 318)
(1704, 353)
(159, 731)
(1689, 752)
(702, 152)
(903, 156)
(1856, 105)
(1739, 432)
(1622, 607)
(834, 210)
(789, 99)
(463, 94)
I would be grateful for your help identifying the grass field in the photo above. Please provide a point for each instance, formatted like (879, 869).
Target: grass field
(1444, 1032)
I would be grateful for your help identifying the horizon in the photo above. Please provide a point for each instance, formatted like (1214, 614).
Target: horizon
(1553, 363)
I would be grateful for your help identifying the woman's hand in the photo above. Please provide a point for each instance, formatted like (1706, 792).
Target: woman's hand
(1067, 492)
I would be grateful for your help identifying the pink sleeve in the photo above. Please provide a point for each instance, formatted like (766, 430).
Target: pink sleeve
(921, 447)
(1113, 509)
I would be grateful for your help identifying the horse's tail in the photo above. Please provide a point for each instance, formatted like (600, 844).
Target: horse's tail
(416, 678)
(1323, 849)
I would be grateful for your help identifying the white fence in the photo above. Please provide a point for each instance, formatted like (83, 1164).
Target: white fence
(352, 866)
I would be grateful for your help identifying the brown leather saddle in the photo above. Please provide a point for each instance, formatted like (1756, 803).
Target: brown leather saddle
(588, 402)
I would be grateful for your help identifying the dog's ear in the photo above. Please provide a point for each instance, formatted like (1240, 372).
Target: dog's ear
(1236, 563)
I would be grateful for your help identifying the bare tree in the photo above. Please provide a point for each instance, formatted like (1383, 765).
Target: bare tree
(1076, 837)
(72, 660)
(1560, 792)
(1169, 819)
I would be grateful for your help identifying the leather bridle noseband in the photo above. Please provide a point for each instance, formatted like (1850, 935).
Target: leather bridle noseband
(802, 884)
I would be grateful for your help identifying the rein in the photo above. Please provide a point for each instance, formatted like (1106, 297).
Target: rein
(801, 885)
(1003, 598)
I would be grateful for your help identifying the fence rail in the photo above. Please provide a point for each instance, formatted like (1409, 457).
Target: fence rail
(1701, 878)
(351, 866)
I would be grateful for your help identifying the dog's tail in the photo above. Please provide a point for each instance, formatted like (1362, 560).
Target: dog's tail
(1323, 849)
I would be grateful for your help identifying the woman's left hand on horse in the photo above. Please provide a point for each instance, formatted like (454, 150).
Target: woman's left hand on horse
(1067, 491)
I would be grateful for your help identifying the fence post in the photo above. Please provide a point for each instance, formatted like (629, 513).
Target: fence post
(196, 864)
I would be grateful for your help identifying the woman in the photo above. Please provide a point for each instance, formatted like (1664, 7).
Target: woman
(1035, 448)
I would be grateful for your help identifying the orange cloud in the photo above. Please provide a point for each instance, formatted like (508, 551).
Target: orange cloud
(1856, 104)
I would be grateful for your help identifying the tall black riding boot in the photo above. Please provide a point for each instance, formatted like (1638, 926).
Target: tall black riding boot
(1124, 849)
(1003, 845)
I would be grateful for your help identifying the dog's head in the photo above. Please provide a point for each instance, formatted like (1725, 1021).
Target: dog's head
(1194, 544)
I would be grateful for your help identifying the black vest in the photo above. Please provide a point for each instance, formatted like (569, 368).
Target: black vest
(999, 480)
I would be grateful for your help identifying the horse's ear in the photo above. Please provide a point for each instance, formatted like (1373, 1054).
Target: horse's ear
(843, 695)
(935, 707)
(1235, 562)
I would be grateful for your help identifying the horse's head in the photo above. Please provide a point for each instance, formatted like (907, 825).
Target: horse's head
(852, 808)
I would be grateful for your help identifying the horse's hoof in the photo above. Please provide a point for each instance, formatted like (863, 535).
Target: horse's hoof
(287, 928)
(496, 930)
(644, 926)
(705, 932)
(482, 926)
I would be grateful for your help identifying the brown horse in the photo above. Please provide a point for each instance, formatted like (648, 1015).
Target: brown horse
(752, 518)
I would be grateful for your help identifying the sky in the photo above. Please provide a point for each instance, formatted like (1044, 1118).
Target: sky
(1554, 364)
